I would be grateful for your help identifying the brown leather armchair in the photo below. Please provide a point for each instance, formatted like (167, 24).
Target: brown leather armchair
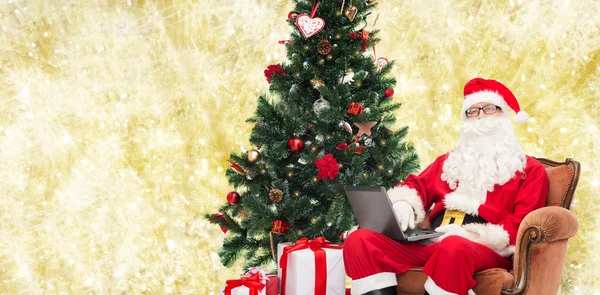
(541, 244)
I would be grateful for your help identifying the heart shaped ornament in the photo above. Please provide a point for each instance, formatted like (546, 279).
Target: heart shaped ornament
(350, 12)
(381, 62)
(309, 26)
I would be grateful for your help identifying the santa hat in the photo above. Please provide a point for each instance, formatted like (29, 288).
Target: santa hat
(481, 90)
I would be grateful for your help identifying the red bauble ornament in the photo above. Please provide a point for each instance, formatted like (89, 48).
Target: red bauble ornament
(389, 93)
(296, 144)
(233, 198)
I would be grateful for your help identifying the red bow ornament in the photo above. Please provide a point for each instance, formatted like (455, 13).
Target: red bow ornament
(252, 283)
(312, 267)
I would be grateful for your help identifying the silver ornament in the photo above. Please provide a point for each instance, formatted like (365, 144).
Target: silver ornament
(320, 105)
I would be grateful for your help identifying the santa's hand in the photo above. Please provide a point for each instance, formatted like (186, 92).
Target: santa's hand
(452, 230)
(405, 215)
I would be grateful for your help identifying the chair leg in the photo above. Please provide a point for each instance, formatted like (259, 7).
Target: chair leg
(385, 291)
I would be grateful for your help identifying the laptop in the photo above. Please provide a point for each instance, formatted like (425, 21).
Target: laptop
(373, 210)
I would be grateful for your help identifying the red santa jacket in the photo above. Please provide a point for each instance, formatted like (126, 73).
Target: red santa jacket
(504, 208)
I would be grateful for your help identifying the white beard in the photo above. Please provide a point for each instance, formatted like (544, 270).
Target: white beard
(487, 154)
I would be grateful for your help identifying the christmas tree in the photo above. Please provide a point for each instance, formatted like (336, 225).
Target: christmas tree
(327, 125)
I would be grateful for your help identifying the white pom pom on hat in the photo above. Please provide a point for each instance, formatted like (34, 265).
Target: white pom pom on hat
(483, 90)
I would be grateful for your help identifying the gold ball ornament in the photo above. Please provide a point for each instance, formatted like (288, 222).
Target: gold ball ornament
(329, 57)
(321, 61)
(305, 47)
(276, 195)
(297, 193)
(244, 214)
(316, 83)
(297, 75)
(253, 156)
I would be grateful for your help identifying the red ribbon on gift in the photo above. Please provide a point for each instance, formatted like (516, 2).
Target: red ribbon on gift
(355, 109)
(253, 283)
(317, 245)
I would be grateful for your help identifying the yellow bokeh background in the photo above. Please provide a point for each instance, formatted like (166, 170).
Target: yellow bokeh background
(118, 118)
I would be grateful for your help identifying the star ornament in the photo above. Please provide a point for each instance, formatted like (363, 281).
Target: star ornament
(364, 128)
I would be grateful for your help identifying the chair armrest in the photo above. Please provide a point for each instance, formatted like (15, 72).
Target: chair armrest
(549, 228)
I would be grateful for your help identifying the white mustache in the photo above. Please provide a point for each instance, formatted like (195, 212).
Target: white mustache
(485, 126)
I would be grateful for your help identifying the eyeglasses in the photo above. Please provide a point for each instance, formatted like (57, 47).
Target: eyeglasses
(488, 110)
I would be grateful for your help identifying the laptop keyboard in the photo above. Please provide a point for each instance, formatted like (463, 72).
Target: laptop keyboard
(418, 232)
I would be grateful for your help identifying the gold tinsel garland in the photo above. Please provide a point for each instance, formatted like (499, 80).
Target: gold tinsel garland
(118, 118)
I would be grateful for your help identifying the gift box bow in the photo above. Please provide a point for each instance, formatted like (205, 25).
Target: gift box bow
(253, 283)
(316, 245)
(262, 275)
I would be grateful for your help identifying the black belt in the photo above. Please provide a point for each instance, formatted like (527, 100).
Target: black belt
(456, 217)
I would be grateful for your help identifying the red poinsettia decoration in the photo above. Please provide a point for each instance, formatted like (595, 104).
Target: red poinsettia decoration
(221, 217)
(328, 167)
(273, 69)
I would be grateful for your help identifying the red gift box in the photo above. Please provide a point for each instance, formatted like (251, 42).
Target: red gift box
(271, 280)
(251, 285)
(355, 108)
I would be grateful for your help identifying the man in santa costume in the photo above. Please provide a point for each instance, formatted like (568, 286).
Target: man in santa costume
(480, 193)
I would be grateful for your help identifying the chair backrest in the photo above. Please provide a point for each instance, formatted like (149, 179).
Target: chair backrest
(563, 181)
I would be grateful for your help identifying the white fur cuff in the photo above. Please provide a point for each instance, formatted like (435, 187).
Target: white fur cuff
(373, 282)
(493, 236)
(433, 289)
(411, 196)
(465, 200)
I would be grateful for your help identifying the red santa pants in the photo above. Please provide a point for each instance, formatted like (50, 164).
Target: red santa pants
(372, 260)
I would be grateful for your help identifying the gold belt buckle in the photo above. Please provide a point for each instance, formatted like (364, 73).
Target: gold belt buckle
(453, 217)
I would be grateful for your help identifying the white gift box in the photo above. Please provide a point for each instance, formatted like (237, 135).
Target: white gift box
(241, 290)
(300, 277)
